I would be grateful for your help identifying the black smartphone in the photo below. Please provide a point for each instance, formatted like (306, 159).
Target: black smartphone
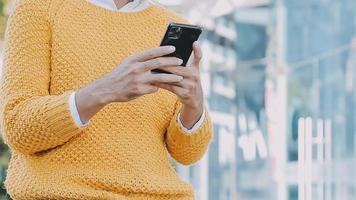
(182, 36)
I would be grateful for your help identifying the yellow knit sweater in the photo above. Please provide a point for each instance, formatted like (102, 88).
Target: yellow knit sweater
(54, 47)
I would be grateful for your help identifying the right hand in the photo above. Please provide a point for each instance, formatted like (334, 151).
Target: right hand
(131, 79)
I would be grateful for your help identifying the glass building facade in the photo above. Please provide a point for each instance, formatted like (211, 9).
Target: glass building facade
(279, 80)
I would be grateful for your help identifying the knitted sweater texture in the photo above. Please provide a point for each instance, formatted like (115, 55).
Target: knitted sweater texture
(54, 47)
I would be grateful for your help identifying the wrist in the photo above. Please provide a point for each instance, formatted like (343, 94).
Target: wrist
(189, 115)
(99, 93)
(196, 107)
(87, 103)
(92, 97)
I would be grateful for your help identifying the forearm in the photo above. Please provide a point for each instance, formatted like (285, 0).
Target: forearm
(89, 101)
(130, 80)
(37, 123)
(191, 114)
(188, 148)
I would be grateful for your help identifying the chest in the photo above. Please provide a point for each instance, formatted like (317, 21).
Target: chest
(85, 46)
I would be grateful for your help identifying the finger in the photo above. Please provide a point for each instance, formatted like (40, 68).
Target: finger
(179, 91)
(185, 83)
(152, 53)
(189, 73)
(163, 78)
(150, 89)
(186, 72)
(198, 54)
(160, 62)
(164, 86)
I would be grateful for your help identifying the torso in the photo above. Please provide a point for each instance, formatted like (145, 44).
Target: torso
(123, 151)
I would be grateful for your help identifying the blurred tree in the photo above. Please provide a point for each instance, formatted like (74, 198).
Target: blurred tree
(2, 18)
(4, 151)
(4, 158)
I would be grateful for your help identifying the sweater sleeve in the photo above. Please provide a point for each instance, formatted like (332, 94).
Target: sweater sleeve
(188, 148)
(32, 120)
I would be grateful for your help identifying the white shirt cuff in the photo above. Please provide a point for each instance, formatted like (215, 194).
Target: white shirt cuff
(74, 111)
(196, 125)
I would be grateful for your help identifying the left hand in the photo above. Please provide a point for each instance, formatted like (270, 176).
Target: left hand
(189, 90)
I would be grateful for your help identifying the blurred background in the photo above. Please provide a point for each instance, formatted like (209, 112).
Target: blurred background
(280, 82)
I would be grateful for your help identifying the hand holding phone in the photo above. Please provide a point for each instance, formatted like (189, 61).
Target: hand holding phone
(182, 37)
(189, 89)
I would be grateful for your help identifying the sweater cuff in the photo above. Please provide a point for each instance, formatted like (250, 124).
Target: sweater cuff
(178, 137)
(74, 111)
(60, 119)
(195, 126)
